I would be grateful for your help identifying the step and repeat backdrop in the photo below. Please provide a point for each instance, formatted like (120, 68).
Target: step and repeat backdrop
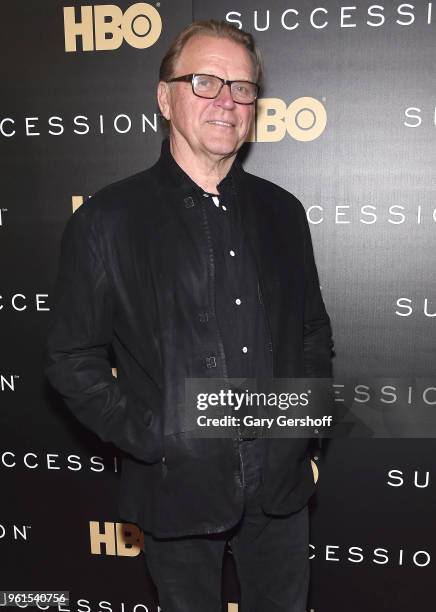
(346, 121)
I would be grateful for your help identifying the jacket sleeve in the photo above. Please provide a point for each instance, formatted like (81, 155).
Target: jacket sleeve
(318, 343)
(78, 341)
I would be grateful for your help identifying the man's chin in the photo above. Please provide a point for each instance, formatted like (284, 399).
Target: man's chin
(223, 148)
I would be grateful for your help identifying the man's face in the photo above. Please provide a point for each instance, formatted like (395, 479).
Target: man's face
(212, 128)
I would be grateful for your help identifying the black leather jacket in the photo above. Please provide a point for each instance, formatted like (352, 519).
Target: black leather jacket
(137, 274)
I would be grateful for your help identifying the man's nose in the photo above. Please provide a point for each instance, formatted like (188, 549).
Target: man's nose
(224, 98)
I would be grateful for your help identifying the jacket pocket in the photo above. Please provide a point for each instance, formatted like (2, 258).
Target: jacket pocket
(180, 448)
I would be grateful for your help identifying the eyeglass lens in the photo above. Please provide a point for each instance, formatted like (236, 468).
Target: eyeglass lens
(210, 86)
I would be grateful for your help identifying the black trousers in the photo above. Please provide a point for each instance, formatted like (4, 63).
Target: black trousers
(271, 555)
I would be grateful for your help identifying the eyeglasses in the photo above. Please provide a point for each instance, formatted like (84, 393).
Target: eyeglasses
(209, 86)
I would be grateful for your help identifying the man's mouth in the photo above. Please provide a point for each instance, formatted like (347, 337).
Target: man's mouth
(223, 123)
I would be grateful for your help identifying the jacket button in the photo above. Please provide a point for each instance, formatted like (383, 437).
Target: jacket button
(163, 460)
(210, 362)
(189, 202)
(203, 317)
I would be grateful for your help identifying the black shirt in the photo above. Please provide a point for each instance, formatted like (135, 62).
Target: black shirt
(240, 313)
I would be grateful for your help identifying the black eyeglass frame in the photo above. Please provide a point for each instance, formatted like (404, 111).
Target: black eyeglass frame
(189, 78)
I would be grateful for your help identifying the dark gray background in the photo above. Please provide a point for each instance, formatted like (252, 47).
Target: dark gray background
(366, 77)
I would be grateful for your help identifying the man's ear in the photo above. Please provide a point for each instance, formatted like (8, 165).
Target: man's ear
(163, 95)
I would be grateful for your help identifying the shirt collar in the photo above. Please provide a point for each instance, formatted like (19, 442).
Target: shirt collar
(178, 177)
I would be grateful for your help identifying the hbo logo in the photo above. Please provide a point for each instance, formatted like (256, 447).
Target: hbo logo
(304, 119)
(104, 27)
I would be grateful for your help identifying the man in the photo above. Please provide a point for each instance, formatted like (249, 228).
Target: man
(196, 269)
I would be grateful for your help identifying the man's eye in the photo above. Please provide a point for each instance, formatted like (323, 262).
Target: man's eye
(241, 89)
(204, 83)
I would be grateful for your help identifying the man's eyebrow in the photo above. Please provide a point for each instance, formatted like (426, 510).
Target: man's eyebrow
(213, 73)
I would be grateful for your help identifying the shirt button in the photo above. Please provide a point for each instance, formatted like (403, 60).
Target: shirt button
(232, 253)
(238, 301)
(244, 349)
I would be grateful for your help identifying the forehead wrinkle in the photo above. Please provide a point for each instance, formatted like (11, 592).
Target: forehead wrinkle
(213, 61)
(218, 69)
